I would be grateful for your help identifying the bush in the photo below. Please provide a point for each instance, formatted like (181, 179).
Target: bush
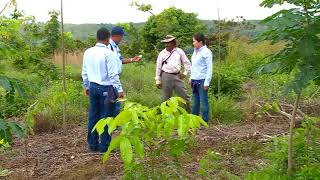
(306, 150)
(47, 111)
(225, 110)
(230, 80)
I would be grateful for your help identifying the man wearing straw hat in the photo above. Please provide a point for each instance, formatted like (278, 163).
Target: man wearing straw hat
(168, 70)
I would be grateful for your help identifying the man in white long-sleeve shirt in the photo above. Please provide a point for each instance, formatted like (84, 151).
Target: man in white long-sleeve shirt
(100, 76)
(168, 70)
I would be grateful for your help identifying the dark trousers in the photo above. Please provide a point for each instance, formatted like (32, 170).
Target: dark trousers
(98, 109)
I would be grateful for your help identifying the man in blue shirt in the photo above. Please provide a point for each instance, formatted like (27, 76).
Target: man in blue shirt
(117, 34)
(100, 76)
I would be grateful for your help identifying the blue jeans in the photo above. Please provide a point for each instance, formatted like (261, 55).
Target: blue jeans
(98, 109)
(199, 94)
(117, 109)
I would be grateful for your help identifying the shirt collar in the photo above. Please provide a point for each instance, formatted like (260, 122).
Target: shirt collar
(199, 50)
(172, 50)
(101, 45)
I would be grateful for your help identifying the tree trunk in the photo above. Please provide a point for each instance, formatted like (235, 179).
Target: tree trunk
(63, 68)
(290, 139)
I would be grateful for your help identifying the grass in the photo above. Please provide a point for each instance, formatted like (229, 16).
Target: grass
(139, 84)
(225, 110)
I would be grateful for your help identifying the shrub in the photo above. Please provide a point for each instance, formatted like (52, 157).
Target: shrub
(225, 110)
(306, 154)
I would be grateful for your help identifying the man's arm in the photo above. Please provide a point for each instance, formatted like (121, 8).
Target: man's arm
(208, 58)
(186, 63)
(112, 68)
(131, 60)
(84, 74)
(158, 68)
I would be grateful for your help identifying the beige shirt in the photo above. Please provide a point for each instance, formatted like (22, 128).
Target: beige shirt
(173, 64)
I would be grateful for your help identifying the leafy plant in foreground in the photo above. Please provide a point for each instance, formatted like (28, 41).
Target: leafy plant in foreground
(146, 128)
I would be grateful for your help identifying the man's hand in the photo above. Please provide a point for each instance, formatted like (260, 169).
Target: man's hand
(181, 76)
(87, 92)
(120, 95)
(205, 88)
(158, 83)
(136, 59)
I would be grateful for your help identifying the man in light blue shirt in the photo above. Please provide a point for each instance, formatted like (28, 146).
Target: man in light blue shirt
(100, 76)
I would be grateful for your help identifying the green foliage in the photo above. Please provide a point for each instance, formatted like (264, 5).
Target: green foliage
(71, 44)
(4, 172)
(224, 31)
(139, 85)
(298, 28)
(306, 154)
(131, 46)
(49, 104)
(21, 48)
(142, 7)
(225, 110)
(142, 126)
(231, 79)
(7, 130)
(52, 33)
(14, 99)
(211, 166)
(211, 162)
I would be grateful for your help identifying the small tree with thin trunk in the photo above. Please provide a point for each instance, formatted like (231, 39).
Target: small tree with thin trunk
(299, 28)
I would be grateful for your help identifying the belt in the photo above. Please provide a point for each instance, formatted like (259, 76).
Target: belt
(172, 73)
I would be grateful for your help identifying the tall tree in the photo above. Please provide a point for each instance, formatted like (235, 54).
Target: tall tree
(171, 21)
(52, 32)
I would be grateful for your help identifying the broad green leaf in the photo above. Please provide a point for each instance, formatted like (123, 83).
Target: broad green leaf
(169, 126)
(138, 146)
(123, 117)
(173, 103)
(100, 125)
(200, 120)
(126, 150)
(179, 99)
(182, 126)
(164, 107)
(159, 129)
(195, 122)
(18, 88)
(120, 120)
(135, 117)
(182, 110)
(115, 142)
(16, 129)
(5, 83)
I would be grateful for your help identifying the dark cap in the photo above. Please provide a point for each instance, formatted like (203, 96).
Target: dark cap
(117, 30)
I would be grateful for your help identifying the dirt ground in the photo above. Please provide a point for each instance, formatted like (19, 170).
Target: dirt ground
(62, 154)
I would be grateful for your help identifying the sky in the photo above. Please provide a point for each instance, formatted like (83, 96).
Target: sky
(120, 11)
